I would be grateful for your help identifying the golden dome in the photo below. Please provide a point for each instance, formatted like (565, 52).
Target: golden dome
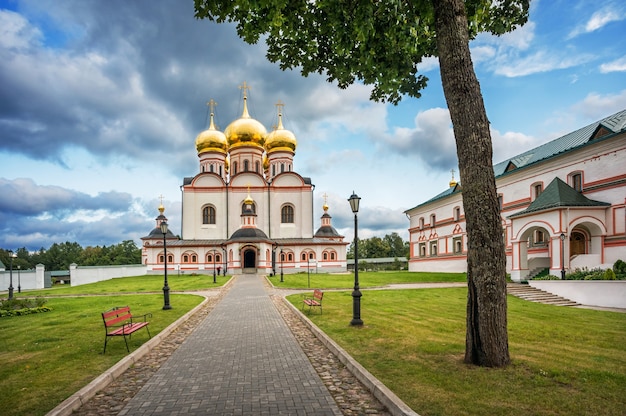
(245, 131)
(211, 139)
(280, 139)
(266, 162)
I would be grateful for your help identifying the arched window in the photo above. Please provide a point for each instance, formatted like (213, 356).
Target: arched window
(208, 215)
(311, 255)
(211, 168)
(457, 214)
(576, 181)
(286, 214)
(235, 165)
(332, 255)
(325, 256)
(421, 223)
(304, 256)
(246, 165)
(537, 189)
(185, 258)
(257, 167)
(433, 220)
(290, 257)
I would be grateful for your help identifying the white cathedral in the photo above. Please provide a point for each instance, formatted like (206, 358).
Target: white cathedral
(247, 210)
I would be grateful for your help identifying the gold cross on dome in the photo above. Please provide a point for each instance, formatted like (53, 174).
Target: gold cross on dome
(452, 172)
(325, 198)
(279, 106)
(161, 197)
(245, 89)
(212, 104)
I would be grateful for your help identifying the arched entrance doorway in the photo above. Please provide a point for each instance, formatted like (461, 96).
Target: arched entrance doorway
(577, 244)
(249, 258)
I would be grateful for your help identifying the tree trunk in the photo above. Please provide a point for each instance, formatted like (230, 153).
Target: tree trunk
(486, 337)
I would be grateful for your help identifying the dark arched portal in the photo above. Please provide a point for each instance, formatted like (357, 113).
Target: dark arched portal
(249, 259)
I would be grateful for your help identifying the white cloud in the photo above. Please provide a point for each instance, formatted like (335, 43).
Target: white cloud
(596, 106)
(618, 65)
(538, 62)
(598, 20)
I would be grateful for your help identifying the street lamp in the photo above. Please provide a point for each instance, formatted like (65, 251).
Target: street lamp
(356, 294)
(19, 279)
(11, 254)
(308, 270)
(281, 265)
(166, 288)
(562, 256)
(213, 258)
(225, 261)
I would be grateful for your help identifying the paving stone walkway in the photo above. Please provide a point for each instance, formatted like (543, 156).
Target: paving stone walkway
(241, 360)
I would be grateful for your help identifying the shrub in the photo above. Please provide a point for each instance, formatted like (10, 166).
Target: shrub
(23, 306)
(609, 274)
(620, 269)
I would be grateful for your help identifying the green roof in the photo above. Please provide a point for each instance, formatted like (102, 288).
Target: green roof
(600, 130)
(558, 194)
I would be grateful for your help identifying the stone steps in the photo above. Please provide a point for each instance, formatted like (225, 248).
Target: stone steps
(532, 294)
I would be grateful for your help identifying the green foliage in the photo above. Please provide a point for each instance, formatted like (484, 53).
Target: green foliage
(620, 269)
(391, 245)
(23, 306)
(60, 256)
(377, 43)
(595, 274)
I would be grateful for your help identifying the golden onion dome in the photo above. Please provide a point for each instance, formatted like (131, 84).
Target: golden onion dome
(245, 131)
(280, 139)
(211, 139)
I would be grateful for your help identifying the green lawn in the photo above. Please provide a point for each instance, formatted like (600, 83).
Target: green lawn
(147, 283)
(46, 357)
(366, 279)
(565, 361)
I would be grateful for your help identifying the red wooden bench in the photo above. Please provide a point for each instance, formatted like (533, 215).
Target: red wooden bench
(118, 322)
(315, 301)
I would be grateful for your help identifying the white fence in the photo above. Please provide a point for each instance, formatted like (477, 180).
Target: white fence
(606, 293)
(80, 275)
(24, 279)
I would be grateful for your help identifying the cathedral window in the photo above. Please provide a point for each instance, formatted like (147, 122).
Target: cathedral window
(246, 165)
(433, 220)
(257, 167)
(421, 221)
(282, 167)
(332, 255)
(235, 165)
(286, 214)
(304, 256)
(208, 215)
(211, 168)
(273, 170)
(325, 256)
(457, 214)
(290, 257)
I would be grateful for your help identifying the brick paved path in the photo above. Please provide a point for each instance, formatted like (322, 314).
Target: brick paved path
(241, 360)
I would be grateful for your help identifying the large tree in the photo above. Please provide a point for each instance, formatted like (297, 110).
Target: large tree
(380, 43)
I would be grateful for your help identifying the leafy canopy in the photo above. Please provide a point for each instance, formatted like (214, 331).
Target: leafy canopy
(377, 42)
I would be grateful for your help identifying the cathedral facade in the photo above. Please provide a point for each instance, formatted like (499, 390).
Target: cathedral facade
(246, 210)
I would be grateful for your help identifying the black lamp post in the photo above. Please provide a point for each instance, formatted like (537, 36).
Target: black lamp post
(562, 256)
(19, 279)
(308, 270)
(281, 265)
(213, 251)
(356, 294)
(166, 288)
(225, 261)
(11, 254)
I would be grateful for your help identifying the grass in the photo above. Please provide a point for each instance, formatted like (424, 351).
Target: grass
(135, 284)
(564, 360)
(46, 357)
(366, 279)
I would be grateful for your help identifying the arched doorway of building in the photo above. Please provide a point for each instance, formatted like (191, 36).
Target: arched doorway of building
(249, 258)
(577, 244)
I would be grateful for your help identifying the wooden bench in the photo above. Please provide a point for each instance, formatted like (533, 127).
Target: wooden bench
(315, 301)
(118, 322)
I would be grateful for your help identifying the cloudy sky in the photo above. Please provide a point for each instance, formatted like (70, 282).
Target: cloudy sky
(101, 102)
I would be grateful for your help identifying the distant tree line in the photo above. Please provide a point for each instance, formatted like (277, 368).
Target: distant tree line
(391, 245)
(60, 256)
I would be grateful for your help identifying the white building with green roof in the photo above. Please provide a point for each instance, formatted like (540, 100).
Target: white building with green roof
(563, 207)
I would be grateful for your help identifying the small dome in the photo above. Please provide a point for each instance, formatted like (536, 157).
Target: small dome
(280, 139)
(245, 131)
(211, 139)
